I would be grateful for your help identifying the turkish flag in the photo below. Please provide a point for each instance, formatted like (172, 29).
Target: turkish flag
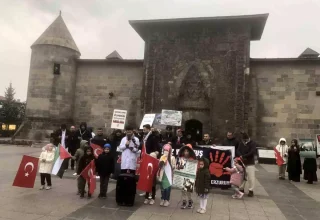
(279, 159)
(148, 169)
(27, 172)
(97, 150)
(89, 174)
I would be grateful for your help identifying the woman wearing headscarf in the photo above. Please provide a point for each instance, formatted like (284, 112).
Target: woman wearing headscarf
(294, 162)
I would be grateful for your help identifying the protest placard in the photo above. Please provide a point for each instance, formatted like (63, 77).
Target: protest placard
(147, 119)
(118, 119)
(184, 176)
(171, 117)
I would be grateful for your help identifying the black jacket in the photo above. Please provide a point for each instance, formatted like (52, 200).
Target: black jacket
(152, 144)
(105, 164)
(57, 137)
(84, 162)
(209, 142)
(231, 142)
(247, 152)
(99, 140)
(167, 137)
(73, 141)
(203, 179)
(84, 134)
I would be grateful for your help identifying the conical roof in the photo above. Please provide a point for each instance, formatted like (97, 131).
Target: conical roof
(309, 53)
(114, 56)
(57, 34)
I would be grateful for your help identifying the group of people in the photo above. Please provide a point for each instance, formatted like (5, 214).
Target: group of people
(170, 150)
(291, 162)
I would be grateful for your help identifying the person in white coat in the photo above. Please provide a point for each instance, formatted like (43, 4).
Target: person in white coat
(282, 148)
(130, 151)
(45, 166)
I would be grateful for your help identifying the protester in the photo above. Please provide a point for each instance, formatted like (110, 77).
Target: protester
(130, 151)
(206, 140)
(151, 200)
(310, 166)
(167, 136)
(62, 135)
(83, 133)
(167, 165)
(178, 141)
(230, 140)
(185, 154)
(139, 134)
(83, 163)
(79, 153)
(189, 140)
(246, 150)
(282, 148)
(116, 138)
(104, 168)
(294, 162)
(150, 140)
(202, 184)
(45, 166)
(237, 177)
(73, 144)
(99, 139)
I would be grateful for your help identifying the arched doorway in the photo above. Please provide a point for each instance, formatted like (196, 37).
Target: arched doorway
(194, 127)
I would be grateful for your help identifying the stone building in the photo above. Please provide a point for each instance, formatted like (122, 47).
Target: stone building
(201, 66)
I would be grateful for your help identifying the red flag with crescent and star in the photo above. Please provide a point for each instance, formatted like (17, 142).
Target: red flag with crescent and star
(27, 172)
(278, 157)
(148, 169)
(89, 173)
(97, 150)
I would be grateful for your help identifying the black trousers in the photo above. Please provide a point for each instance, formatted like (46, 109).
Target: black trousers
(45, 177)
(72, 151)
(104, 182)
(130, 171)
(153, 195)
(82, 185)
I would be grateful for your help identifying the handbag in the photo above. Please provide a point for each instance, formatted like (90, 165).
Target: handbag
(308, 154)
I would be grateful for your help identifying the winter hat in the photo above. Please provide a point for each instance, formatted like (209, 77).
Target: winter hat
(167, 147)
(107, 146)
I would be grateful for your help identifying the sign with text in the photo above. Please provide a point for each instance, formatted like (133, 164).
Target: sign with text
(171, 117)
(118, 119)
(147, 119)
(157, 122)
(184, 176)
(318, 144)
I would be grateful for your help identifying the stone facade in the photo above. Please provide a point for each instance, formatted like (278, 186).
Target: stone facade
(199, 66)
(285, 102)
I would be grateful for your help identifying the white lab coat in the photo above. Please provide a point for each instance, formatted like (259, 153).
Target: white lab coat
(129, 157)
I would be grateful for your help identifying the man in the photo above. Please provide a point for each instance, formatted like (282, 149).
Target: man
(189, 140)
(150, 140)
(99, 139)
(246, 150)
(116, 138)
(167, 136)
(130, 151)
(62, 136)
(206, 140)
(73, 144)
(83, 133)
(177, 142)
(231, 141)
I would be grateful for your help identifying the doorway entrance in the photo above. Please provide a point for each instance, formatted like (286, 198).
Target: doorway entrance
(194, 127)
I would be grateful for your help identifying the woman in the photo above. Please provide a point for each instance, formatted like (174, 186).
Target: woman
(294, 162)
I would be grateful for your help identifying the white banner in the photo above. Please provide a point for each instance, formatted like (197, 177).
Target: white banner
(171, 117)
(184, 176)
(318, 143)
(147, 119)
(118, 119)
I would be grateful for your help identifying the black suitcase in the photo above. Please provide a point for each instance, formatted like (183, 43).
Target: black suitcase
(126, 189)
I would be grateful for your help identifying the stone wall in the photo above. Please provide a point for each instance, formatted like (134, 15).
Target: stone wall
(95, 80)
(199, 70)
(286, 104)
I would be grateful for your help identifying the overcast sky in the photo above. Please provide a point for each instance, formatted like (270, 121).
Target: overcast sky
(101, 26)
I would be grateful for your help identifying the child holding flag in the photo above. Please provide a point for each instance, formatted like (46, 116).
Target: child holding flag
(45, 166)
(185, 154)
(282, 151)
(165, 174)
(83, 163)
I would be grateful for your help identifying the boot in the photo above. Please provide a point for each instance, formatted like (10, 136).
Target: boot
(250, 193)
(190, 204)
(184, 204)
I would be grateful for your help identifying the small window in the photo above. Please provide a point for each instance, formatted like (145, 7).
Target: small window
(56, 69)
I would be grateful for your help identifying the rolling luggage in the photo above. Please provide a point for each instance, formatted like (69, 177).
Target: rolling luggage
(126, 189)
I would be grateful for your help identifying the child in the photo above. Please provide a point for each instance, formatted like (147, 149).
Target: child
(203, 184)
(45, 166)
(186, 153)
(282, 148)
(104, 167)
(153, 195)
(237, 176)
(166, 168)
(77, 156)
(83, 163)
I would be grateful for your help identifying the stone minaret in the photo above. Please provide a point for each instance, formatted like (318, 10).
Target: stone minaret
(52, 79)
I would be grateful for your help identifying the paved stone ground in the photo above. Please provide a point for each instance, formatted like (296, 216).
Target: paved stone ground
(274, 199)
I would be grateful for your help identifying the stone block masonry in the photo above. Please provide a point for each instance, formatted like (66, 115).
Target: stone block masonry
(287, 105)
